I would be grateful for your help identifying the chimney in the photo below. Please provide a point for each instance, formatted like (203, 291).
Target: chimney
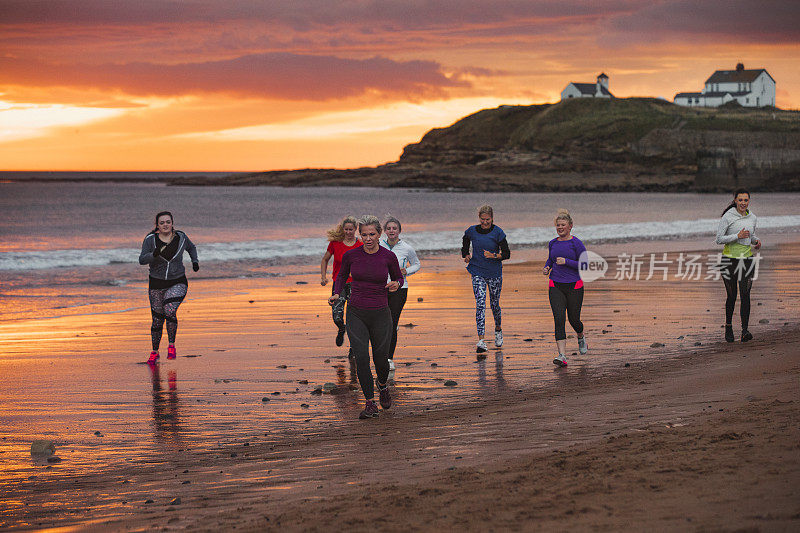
(602, 81)
(739, 67)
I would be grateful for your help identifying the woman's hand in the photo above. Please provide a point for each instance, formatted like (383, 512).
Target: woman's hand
(403, 271)
(561, 261)
(195, 266)
(323, 281)
(743, 234)
(393, 286)
(757, 245)
(546, 271)
(332, 299)
(467, 258)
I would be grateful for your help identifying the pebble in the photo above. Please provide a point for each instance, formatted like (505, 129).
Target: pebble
(657, 345)
(605, 331)
(304, 405)
(53, 459)
(251, 301)
(301, 283)
(763, 321)
(627, 364)
(450, 383)
(681, 338)
(148, 501)
(264, 399)
(434, 365)
(420, 299)
(698, 343)
(281, 366)
(527, 340)
(329, 386)
(175, 501)
(276, 393)
(317, 391)
(409, 325)
(43, 447)
(303, 382)
(98, 434)
(616, 310)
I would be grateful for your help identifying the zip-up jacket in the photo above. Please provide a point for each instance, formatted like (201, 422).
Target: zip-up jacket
(406, 256)
(730, 225)
(161, 268)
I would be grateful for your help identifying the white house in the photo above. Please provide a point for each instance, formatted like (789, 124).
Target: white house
(751, 88)
(598, 89)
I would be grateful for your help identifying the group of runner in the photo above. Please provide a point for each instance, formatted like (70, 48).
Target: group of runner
(371, 264)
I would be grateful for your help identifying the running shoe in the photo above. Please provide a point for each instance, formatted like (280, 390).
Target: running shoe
(370, 411)
(729, 333)
(171, 353)
(385, 398)
(481, 346)
(340, 337)
(560, 360)
(582, 346)
(153, 357)
(746, 336)
(498, 338)
(391, 365)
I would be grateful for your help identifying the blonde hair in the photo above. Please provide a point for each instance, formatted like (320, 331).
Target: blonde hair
(563, 214)
(486, 208)
(336, 233)
(370, 220)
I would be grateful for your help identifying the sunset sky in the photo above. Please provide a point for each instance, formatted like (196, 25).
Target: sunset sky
(246, 85)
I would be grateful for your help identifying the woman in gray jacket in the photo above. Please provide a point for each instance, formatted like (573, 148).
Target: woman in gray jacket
(737, 231)
(163, 249)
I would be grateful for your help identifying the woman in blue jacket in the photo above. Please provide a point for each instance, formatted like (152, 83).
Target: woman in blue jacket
(485, 264)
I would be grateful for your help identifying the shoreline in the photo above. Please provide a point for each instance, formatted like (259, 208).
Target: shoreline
(200, 431)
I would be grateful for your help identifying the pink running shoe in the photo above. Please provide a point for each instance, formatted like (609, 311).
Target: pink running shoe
(153, 358)
(171, 353)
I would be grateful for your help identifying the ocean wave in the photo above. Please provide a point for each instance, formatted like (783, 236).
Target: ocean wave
(285, 251)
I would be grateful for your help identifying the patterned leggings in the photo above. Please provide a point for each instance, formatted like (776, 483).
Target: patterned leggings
(338, 307)
(164, 306)
(479, 285)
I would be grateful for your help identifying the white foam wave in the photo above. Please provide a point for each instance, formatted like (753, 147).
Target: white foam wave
(427, 241)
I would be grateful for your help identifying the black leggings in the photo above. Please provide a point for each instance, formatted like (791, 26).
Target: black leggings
(365, 326)
(738, 272)
(338, 307)
(397, 300)
(566, 302)
(164, 307)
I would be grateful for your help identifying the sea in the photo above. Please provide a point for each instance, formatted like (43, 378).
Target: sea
(72, 247)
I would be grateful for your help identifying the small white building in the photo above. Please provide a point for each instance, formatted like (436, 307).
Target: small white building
(598, 89)
(751, 88)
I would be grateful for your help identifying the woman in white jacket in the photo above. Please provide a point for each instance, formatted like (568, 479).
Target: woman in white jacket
(737, 231)
(409, 263)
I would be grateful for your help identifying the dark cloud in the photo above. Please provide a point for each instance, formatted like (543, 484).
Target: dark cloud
(299, 14)
(745, 21)
(277, 75)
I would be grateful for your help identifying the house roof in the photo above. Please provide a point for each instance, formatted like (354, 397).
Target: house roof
(602, 75)
(736, 76)
(723, 93)
(688, 95)
(590, 88)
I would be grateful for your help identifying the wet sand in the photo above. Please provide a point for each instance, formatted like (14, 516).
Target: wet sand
(699, 436)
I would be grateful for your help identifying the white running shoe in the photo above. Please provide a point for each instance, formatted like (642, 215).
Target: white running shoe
(560, 360)
(582, 347)
(498, 338)
(481, 346)
(391, 365)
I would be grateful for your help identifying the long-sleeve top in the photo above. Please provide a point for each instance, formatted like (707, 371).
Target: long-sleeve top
(571, 251)
(492, 240)
(729, 227)
(369, 271)
(163, 268)
(406, 256)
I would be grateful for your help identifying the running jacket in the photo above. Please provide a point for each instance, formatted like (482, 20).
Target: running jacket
(571, 251)
(729, 226)
(406, 256)
(161, 268)
(493, 240)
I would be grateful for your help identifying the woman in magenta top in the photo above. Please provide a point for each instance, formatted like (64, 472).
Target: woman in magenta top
(369, 320)
(566, 286)
(341, 239)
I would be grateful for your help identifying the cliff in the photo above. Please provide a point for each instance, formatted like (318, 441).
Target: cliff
(584, 144)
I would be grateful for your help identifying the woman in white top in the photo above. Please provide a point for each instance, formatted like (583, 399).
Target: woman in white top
(409, 263)
(737, 231)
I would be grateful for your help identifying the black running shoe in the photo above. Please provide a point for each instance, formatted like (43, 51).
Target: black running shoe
(746, 336)
(340, 337)
(370, 410)
(385, 398)
(729, 334)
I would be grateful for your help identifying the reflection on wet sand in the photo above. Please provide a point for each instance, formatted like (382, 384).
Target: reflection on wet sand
(499, 380)
(166, 422)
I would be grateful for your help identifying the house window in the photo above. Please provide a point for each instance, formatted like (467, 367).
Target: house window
(746, 100)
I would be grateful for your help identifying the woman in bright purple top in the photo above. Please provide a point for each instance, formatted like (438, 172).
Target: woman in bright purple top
(369, 320)
(566, 286)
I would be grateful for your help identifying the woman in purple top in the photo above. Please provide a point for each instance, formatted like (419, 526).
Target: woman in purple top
(369, 320)
(566, 286)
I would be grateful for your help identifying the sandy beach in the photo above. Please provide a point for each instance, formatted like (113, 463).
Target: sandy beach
(661, 426)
